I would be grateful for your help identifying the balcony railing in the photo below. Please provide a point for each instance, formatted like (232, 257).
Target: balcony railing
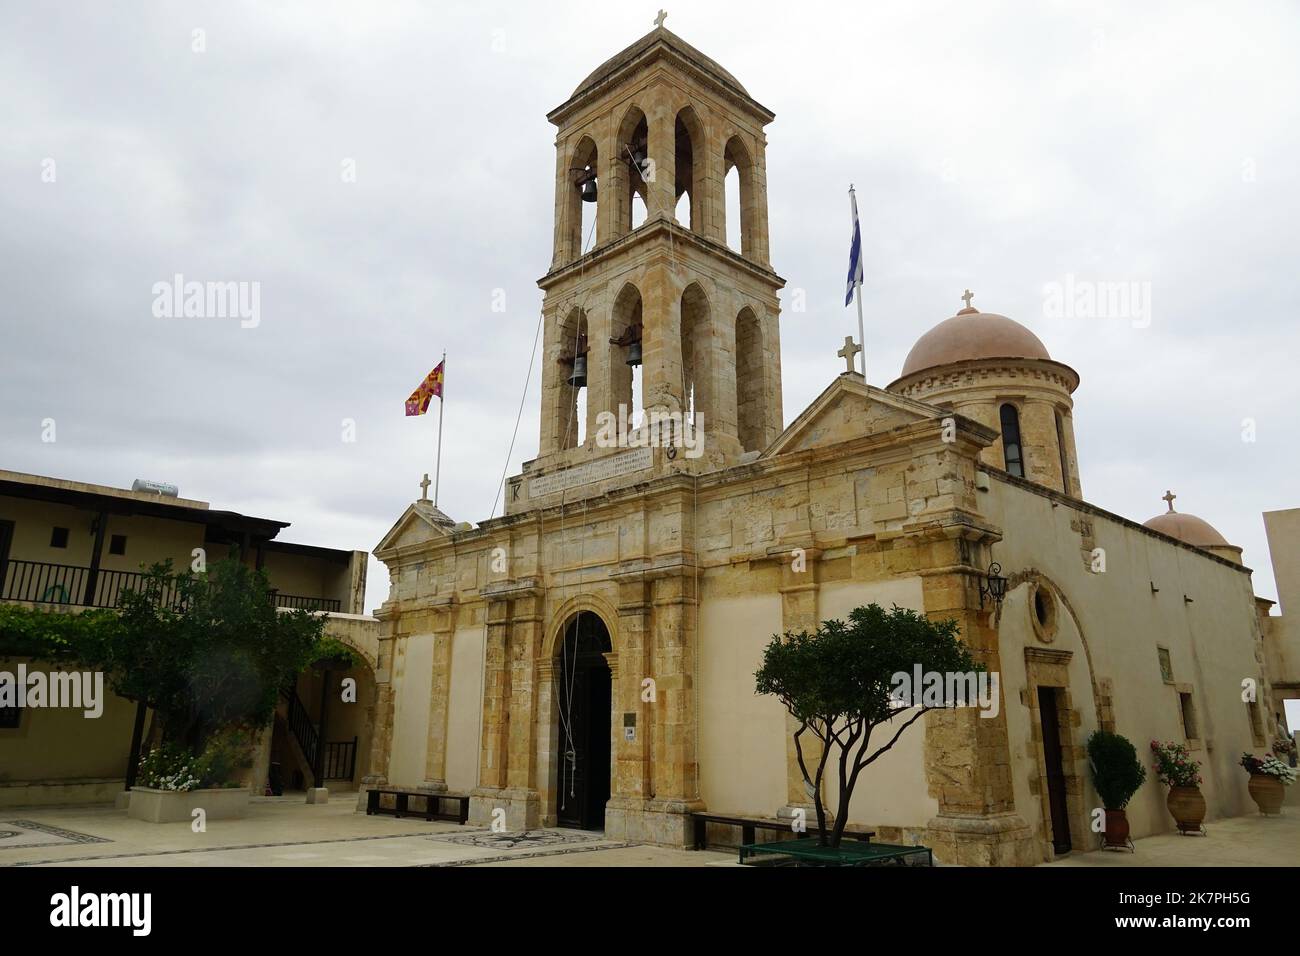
(40, 582)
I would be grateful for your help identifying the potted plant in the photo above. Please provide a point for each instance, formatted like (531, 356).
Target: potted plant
(172, 782)
(1116, 773)
(1182, 775)
(1268, 779)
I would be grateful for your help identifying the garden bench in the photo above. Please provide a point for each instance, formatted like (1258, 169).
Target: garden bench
(432, 804)
(748, 825)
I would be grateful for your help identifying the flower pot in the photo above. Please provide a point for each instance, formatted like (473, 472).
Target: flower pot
(170, 806)
(1267, 792)
(1187, 806)
(1116, 828)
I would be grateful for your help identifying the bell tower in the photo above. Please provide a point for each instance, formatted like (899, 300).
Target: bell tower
(665, 293)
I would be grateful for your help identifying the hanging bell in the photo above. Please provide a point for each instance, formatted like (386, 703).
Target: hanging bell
(589, 190)
(634, 353)
(579, 377)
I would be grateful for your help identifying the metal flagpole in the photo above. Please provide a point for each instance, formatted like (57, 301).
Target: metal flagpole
(442, 392)
(862, 335)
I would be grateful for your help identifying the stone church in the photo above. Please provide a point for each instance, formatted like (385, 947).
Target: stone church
(587, 659)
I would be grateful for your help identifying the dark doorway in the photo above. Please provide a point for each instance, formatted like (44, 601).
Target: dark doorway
(583, 699)
(1050, 718)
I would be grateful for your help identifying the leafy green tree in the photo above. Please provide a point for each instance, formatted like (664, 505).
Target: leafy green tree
(837, 683)
(205, 651)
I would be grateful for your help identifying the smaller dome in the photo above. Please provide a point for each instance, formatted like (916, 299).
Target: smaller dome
(971, 334)
(1188, 529)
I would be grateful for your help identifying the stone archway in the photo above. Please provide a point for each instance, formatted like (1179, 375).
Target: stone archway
(583, 709)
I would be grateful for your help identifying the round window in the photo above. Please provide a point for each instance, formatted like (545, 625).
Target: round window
(1043, 613)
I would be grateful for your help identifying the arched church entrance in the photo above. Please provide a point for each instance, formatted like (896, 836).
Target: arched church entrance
(584, 702)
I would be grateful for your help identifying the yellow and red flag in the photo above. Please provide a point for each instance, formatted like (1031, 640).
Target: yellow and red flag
(418, 403)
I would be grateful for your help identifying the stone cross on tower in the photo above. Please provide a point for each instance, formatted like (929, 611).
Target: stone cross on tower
(847, 353)
(967, 296)
(659, 20)
(1168, 498)
(424, 487)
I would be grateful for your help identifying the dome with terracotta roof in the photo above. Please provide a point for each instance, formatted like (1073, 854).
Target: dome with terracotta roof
(1188, 529)
(972, 334)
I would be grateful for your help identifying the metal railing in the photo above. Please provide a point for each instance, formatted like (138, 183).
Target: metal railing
(41, 582)
(299, 602)
(340, 759)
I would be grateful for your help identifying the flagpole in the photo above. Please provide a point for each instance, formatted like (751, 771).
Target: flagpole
(437, 466)
(862, 335)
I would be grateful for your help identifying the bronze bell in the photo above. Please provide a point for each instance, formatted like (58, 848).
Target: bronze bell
(634, 353)
(589, 190)
(579, 377)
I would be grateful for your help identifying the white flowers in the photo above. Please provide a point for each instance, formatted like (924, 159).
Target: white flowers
(1273, 767)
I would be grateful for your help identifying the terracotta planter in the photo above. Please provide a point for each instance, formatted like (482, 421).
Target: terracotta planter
(1267, 792)
(1187, 806)
(1116, 828)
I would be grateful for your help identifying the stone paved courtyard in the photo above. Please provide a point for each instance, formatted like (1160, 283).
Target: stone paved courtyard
(287, 832)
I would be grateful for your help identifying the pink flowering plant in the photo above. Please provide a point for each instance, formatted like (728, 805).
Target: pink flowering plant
(1174, 765)
(1268, 766)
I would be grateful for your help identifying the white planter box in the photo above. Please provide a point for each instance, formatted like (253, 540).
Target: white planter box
(167, 806)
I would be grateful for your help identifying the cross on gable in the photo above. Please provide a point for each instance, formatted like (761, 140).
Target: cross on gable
(424, 487)
(847, 353)
(659, 20)
(1168, 498)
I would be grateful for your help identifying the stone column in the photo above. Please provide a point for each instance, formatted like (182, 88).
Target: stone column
(494, 755)
(675, 768)
(632, 785)
(435, 765)
(662, 340)
(525, 644)
(661, 125)
(381, 708)
(799, 612)
(968, 757)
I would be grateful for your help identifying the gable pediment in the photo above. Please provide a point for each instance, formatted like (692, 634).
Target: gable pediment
(849, 409)
(419, 524)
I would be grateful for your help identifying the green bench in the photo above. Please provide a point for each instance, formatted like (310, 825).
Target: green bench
(851, 853)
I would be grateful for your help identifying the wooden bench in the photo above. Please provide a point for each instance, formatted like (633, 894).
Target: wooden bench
(432, 804)
(748, 825)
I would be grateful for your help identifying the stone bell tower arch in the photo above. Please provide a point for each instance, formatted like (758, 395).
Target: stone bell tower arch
(660, 121)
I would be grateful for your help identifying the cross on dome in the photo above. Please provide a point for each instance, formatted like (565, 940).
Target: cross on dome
(1168, 498)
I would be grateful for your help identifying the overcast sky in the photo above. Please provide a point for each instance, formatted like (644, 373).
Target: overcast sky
(1000, 147)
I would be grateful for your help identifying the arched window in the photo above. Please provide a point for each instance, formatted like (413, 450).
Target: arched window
(583, 196)
(1012, 453)
(629, 170)
(688, 160)
(697, 357)
(736, 157)
(571, 421)
(625, 348)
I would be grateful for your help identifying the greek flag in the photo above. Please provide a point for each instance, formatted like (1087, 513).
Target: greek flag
(855, 253)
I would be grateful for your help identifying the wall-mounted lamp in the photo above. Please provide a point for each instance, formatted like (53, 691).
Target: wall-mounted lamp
(997, 585)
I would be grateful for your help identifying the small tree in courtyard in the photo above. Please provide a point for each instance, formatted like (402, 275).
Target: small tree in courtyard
(838, 683)
(205, 651)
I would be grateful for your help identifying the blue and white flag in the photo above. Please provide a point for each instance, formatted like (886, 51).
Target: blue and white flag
(855, 252)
